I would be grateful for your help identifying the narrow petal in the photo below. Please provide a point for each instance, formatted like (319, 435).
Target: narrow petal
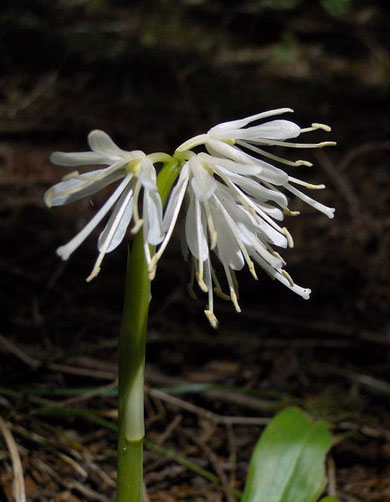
(195, 232)
(275, 129)
(82, 186)
(236, 124)
(77, 159)
(176, 198)
(66, 250)
(329, 211)
(256, 190)
(230, 165)
(119, 221)
(202, 182)
(101, 143)
(227, 246)
(152, 215)
(147, 175)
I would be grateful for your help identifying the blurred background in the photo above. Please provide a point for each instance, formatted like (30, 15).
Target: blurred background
(152, 74)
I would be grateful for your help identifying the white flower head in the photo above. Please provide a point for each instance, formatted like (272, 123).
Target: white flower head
(134, 171)
(235, 201)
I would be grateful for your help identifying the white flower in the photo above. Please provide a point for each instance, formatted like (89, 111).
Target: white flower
(234, 201)
(134, 170)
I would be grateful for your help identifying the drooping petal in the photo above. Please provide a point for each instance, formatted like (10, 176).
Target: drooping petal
(228, 248)
(256, 190)
(202, 182)
(176, 198)
(152, 214)
(329, 211)
(119, 221)
(195, 231)
(273, 130)
(219, 129)
(66, 250)
(101, 143)
(230, 165)
(81, 186)
(77, 159)
(147, 175)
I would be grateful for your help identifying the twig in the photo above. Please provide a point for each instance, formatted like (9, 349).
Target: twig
(214, 462)
(20, 493)
(92, 393)
(209, 415)
(74, 370)
(168, 431)
(16, 351)
(332, 478)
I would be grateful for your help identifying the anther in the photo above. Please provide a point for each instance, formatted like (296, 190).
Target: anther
(211, 318)
(288, 236)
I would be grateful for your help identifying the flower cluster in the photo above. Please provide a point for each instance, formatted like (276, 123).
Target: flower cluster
(234, 200)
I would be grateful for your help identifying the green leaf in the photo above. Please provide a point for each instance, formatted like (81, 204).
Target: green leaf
(287, 464)
(331, 499)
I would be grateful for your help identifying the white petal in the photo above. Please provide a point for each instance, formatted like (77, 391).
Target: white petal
(101, 143)
(219, 148)
(274, 130)
(228, 249)
(195, 231)
(202, 182)
(268, 171)
(77, 159)
(176, 198)
(147, 175)
(119, 220)
(329, 211)
(152, 215)
(272, 211)
(67, 250)
(303, 292)
(236, 124)
(84, 185)
(256, 190)
(230, 165)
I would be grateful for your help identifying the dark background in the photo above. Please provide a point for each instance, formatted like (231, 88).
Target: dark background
(153, 74)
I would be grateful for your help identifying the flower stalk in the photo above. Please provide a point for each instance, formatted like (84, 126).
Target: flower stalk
(131, 358)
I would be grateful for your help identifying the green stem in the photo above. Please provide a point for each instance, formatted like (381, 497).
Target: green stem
(131, 359)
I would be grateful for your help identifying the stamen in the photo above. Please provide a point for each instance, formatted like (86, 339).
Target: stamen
(199, 278)
(286, 275)
(233, 293)
(280, 257)
(210, 225)
(305, 184)
(218, 289)
(199, 226)
(211, 318)
(288, 212)
(110, 236)
(190, 285)
(272, 156)
(274, 142)
(138, 222)
(248, 202)
(324, 127)
(233, 228)
(288, 236)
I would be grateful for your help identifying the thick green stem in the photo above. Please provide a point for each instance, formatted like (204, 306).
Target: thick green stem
(131, 359)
